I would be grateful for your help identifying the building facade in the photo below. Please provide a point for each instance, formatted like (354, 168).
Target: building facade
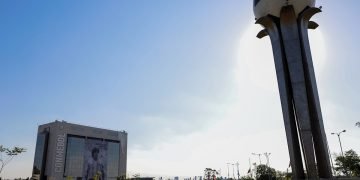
(70, 151)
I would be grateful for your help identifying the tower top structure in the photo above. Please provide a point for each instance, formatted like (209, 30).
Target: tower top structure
(273, 7)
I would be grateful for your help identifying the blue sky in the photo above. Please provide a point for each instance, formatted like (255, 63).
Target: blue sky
(177, 75)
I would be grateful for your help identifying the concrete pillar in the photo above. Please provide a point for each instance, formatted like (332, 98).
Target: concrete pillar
(298, 91)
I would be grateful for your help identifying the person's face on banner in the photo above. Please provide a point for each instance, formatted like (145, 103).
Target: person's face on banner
(95, 154)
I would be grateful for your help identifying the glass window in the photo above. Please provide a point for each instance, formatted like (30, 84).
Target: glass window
(40, 153)
(113, 160)
(74, 156)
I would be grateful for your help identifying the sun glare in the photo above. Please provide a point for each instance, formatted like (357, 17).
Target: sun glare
(255, 59)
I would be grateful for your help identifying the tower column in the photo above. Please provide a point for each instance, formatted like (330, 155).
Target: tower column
(293, 52)
(298, 92)
(319, 135)
(283, 78)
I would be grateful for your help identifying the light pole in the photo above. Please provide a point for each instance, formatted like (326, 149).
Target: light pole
(250, 169)
(255, 154)
(228, 169)
(338, 134)
(266, 154)
(238, 173)
(233, 171)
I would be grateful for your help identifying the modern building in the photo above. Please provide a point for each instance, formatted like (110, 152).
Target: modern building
(70, 151)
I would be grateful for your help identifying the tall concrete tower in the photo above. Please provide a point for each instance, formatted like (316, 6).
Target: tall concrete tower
(286, 22)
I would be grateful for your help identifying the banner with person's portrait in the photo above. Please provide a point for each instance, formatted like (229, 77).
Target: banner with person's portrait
(95, 158)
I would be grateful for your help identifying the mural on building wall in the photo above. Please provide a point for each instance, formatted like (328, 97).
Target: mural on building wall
(95, 160)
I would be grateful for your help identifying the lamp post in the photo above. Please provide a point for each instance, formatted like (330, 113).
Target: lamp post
(255, 154)
(228, 170)
(266, 154)
(233, 171)
(238, 173)
(250, 169)
(338, 135)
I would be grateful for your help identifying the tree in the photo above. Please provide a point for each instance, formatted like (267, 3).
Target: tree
(247, 177)
(349, 164)
(264, 172)
(357, 124)
(7, 154)
(136, 176)
(210, 174)
(281, 175)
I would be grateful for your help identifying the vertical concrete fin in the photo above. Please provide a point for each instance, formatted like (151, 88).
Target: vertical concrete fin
(293, 52)
(284, 85)
(320, 143)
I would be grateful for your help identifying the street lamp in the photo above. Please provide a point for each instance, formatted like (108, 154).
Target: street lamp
(228, 169)
(266, 154)
(255, 154)
(238, 173)
(233, 171)
(338, 134)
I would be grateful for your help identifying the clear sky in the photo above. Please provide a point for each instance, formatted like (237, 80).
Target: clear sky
(187, 79)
